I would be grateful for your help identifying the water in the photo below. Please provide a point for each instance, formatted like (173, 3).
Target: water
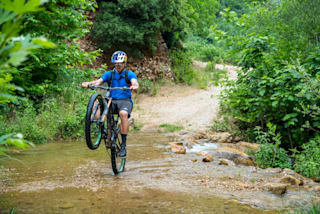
(67, 177)
(202, 147)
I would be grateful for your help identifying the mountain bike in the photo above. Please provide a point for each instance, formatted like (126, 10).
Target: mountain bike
(102, 123)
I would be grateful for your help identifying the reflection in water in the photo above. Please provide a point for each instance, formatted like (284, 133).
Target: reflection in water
(67, 177)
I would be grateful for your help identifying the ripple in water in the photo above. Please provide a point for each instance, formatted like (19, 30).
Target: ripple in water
(203, 147)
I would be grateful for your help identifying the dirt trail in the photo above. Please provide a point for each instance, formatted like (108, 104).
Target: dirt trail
(192, 108)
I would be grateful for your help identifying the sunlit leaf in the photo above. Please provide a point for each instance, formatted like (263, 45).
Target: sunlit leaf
(43, 42)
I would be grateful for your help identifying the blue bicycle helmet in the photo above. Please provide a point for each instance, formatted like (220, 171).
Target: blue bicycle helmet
(119, 57)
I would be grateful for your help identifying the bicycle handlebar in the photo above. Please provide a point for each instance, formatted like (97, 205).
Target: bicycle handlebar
(93, 87)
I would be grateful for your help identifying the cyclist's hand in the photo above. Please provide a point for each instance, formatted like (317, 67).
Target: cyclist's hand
(85, 84)
(133, 87)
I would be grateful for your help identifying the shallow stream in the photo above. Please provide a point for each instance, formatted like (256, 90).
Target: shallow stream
(67, 177)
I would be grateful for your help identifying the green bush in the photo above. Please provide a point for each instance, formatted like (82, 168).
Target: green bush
(133, 26)
(270, 154)
(307, 162)
(182, 67)
(148, 87)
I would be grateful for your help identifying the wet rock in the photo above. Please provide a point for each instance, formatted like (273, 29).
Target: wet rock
(222, 137)
(202, 153)
(200, 135)
(245, 146)
(207, 158)
(272, 170)
(289, 179)
(276, 188)
(226, 162)
(183, 132)
(235, 155)
(236, 139)
(177, 148)
(315, 189)
(287, 171)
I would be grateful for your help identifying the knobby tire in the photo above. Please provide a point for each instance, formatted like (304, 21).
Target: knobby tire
(93, 132)
(117, 163)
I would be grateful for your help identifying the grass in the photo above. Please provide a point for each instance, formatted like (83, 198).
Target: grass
(314, 209)
(170, 127)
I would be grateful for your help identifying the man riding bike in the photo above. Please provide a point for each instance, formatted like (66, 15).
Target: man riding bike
(121, 100)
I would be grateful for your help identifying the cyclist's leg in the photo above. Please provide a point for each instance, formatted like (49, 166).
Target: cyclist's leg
(125, 107)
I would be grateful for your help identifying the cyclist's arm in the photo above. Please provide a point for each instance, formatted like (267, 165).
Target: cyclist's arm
(95, 82)
(134, 84)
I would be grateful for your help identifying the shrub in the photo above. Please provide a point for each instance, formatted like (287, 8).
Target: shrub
(270, 154)
(307, 162)
(133, 26)
(182, 67)
(148, 87)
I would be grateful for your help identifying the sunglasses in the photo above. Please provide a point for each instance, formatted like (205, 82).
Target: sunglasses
(119, 63)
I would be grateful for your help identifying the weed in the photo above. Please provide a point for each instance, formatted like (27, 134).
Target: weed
(314, 209)
(170, 127)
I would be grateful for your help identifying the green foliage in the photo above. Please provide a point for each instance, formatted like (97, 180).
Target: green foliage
(182, 67)
(14, 48)
(134, 26)
(271, 154)
(63, 22)
(56, 118)
(171, 127)
(13, 51)
(148, 87)
(313, 209)
(307, 162)
(202, 14)
(13, 140)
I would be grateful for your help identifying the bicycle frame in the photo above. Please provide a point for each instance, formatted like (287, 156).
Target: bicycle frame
(111, 122)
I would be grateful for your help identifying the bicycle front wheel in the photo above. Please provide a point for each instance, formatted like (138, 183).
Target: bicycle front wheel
(93, 130)
(117, 163)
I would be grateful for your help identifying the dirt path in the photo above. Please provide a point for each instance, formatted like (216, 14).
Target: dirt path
(190, 107)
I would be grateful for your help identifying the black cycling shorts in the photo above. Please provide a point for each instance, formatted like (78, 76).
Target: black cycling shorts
(121, 105)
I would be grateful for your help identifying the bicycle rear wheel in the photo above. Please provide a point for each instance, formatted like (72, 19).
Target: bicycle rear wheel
(117, 163)
(93, 131)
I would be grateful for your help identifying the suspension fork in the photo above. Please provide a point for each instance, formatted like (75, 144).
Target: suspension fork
(106, 115)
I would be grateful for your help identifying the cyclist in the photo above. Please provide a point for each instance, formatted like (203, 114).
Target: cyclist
(121, 99)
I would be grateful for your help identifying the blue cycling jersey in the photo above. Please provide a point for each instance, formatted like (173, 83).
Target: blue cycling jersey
(119, 80)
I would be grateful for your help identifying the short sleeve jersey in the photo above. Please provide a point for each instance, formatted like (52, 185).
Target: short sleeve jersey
(119, 80)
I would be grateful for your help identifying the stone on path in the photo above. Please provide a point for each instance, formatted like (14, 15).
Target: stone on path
(276, 188)
(289, 179)
(178, 148)
(207, 158)
(235, 155)
(226, 162)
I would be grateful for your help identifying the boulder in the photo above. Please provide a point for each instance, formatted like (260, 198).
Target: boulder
(245, 146)
(235, 155)
(289, 179)
(177, 148)
(202, 153)
(200, 135)
(226, 162)
(316, 189)
(222, 137)
(276, 188)
(207, 158)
